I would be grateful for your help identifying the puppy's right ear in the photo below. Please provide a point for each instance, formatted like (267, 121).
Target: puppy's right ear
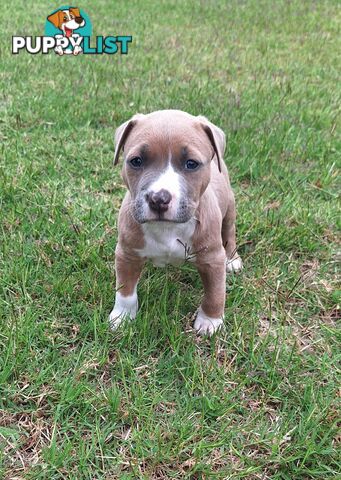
(55, 18)
(122, 134)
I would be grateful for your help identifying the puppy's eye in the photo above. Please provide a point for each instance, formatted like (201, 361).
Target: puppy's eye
(65, 18)
(191, 164)
(136, 162)
(72, 17)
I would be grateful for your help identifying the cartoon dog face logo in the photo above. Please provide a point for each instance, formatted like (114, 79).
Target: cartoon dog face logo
(67, 20)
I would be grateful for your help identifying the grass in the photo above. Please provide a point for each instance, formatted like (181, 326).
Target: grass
(153, 401)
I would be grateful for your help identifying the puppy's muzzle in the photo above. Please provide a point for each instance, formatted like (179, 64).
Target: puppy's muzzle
(159, 201)
(79, 20)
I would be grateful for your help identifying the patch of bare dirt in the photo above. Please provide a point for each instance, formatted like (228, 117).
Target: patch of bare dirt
(22, 449)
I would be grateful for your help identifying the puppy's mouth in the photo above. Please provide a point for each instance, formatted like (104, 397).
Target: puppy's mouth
(143, 215)
(161, 219)
(159, 216)
(68, 32)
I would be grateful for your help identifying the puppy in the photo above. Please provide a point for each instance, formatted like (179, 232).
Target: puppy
(179, 206)
(67, 21)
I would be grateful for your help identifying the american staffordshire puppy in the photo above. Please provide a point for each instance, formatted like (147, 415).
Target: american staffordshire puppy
(179, 206)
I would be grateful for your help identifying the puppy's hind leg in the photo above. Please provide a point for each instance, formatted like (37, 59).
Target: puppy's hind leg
(228, 232)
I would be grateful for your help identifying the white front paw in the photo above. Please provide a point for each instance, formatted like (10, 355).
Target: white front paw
(206, 325)
(59, 50)
(124, 308)
(77, 50)
(234, 265)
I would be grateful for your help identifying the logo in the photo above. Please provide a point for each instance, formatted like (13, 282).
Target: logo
(68, 32)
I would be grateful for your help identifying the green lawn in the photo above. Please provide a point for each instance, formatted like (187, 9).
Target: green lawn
(152, 400)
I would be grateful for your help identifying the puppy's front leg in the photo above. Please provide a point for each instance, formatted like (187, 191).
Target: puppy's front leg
(128, 270)
(210, 316)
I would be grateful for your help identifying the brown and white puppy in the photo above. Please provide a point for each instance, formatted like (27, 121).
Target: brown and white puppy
(179, 206)
(67, 20)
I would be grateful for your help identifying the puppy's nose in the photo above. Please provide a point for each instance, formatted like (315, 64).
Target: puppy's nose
(159, 201)
(79, 20)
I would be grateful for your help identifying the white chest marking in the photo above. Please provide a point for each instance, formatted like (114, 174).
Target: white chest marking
(167, 242)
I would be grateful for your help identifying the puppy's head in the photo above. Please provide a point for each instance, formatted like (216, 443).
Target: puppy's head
(67, 20)
(167, 163)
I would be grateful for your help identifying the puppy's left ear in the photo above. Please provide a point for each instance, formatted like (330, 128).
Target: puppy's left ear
(122, 134)
(216, 137)
(55, 18)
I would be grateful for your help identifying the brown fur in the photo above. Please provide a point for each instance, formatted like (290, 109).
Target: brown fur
(56, 18)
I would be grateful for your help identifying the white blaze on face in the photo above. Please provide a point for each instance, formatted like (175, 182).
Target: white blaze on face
(70, 23)
(169, 180)
(67, 14)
